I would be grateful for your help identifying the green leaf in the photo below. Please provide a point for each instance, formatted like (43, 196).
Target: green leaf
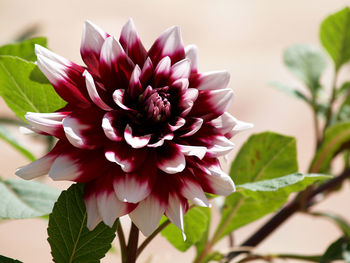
(202, 242)
(307, 63)
(338, 250)
(341, 222)
(335, 36)
(264, 156)
(344, 110)
(311, 258)
(335, 137)
(283, 185)
(24, 49)
(25, 199)
(8, 260)
(195, 225)
(344, 89)
(7, 137)
(69, 238)
(24, 88)
(289, 91)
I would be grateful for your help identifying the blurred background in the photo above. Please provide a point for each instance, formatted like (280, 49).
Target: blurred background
(245, 37)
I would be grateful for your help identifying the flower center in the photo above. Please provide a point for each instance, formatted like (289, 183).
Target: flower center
(156, 105)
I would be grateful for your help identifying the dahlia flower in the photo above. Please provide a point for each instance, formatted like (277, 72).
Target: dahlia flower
(142, 129)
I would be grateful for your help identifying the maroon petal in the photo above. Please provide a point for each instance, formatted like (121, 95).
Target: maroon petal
(147, 72)
(168, 44)
(181, 70)
(135, 86)
(132, 44)
(191, 127)
(128, 158)
(161, 73)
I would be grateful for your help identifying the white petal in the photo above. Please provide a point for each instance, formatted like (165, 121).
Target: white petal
(44, 52)
(110, 207)
(135, 141)
(194, 192)
(36, 168)
(147, 214)
(131, 190)
(91, 88)
(220, 181)
(108, 128)
(173, 161)
(213, 80)
(93, 216)
(192, 53)
(111, 51)
(221, 146)
(163, 66)
(46, 122)
(175, 212)
(190, 150)
(54, 71)
(181, 69)
(64, 168)
(129, 33)
(93, 37)
(170, 41)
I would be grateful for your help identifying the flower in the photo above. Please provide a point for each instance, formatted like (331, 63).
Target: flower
(142, 129)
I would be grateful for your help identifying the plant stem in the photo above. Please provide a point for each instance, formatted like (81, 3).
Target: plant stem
(150, 238)
(331, 101)
(122, 242)
(287, 211)
(132, 244)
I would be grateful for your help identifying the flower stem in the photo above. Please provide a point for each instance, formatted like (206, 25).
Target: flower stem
(150, 238)
(122, 243)
(132, 244)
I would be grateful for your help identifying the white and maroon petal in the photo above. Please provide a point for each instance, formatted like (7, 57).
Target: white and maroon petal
(181, 69)
(128, 158)
(161, 72)
(40, 166)
(190, 150)
(213, 80)
(132, 189)
(239, 126)
(93, 216)
(73, 128)
(229, 126)
(175, 211)
(132, 44)
(135, 87)
(119, 97)
(168, 44)
(110, 121)
(108, 205)
(179, 122)
(212, 103)
(50, 123)
(180, 86)
(135, 141)
(113, 57)
(170, 159)
(191, 127)
(91, 44)
(147, 71)
(60, 76)
(80, 165)
(147, 214)
(192, 190)
(94, 96)
(188, 101)
(191, 52)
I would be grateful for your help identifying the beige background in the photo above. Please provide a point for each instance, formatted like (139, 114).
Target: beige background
(245, 37)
